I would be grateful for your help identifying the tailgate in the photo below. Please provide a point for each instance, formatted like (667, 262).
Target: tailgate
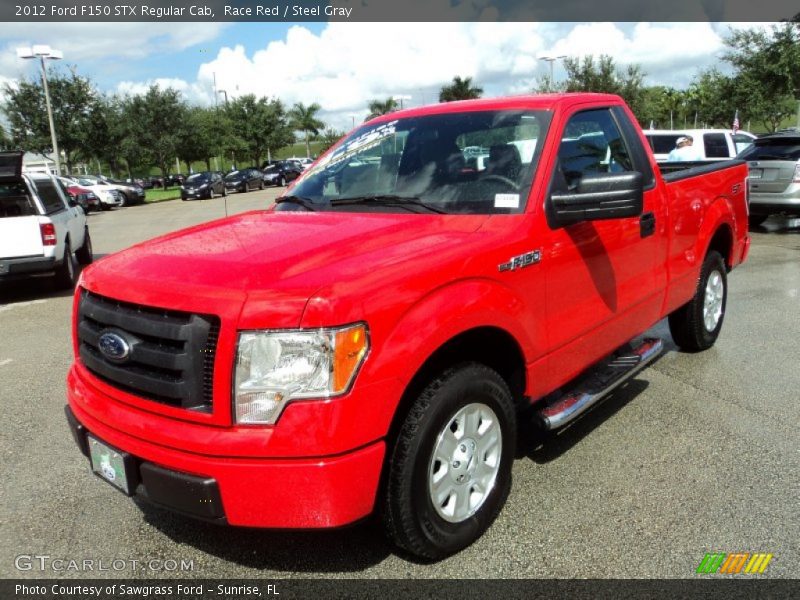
(772, 176)
(20, 236)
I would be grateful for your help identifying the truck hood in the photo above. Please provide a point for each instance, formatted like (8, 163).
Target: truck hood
(275, 261)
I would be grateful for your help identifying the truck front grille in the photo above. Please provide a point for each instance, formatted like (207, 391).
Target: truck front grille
(161, 355)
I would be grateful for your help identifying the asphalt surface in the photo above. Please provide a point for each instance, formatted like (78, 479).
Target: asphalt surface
(699, 453)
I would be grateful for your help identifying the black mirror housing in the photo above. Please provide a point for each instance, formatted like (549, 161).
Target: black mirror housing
(596, 197)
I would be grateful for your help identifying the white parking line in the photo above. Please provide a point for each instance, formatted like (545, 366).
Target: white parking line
(28, 303)
(5, 361)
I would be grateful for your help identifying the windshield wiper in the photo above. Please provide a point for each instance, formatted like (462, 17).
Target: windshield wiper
(387, 200)
(306, 203)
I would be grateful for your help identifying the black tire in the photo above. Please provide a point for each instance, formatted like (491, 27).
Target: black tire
(67, 273)
(124, 199)
(409, 516)
(261, 185)
(281, 181)
(224, 192)
(756, 220)
(687, 324)
(84, 253)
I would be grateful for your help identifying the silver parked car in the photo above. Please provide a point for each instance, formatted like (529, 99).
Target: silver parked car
(774, 181)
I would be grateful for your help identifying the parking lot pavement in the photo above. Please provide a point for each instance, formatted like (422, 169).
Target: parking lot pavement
(699, 453)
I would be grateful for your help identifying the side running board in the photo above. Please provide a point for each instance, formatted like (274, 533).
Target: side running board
(597, 382)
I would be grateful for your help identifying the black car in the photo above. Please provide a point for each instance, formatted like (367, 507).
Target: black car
(176, 179)
(282, 172)
(205, 184)
(244, 180)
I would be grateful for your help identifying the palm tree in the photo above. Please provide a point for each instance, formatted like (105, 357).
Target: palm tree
(381, 107)
(460, 89)
(304, 118)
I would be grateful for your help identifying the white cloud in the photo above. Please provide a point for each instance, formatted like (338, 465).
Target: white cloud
(348, 64)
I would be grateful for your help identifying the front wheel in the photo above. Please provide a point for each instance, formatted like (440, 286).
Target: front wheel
(696, 325)
(449, 472)
(281, 181)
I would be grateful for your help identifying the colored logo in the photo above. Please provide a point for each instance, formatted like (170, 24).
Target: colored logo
(734, 563)
(114, 346)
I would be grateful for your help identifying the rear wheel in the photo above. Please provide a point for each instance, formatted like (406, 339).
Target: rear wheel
(281, 181)
(67, 273)
(696, 325)
(450, 468)
(124, 199)
(84, 253)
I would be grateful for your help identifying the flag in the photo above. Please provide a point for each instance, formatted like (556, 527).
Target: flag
(736, 122)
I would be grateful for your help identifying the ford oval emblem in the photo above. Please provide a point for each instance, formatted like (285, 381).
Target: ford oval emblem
(113, 346)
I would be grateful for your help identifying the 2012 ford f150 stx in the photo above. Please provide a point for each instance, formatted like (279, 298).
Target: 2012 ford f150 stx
(371, 343)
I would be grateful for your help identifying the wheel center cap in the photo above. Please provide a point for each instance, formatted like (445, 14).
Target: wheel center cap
(463, 462)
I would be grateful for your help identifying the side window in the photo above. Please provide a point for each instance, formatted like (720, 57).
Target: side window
(716, 145)
(742, 141)
(51, 199)
(592, 144)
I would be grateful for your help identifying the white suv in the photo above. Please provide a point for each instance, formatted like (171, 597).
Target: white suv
(712, 144)
(42, 231)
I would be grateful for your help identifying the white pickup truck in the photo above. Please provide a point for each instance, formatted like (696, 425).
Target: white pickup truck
(42, 231)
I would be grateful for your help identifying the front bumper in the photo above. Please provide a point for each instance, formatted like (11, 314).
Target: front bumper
(196, 193)
(328, 491)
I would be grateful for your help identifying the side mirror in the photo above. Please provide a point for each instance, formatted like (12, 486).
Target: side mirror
(596, 197)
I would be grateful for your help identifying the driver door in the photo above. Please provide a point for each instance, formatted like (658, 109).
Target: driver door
(601, 274)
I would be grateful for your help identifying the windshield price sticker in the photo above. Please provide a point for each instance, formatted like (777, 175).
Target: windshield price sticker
(506, 200)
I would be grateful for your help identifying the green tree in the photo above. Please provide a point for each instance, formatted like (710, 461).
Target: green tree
(201, 136)
(602, 75)
(259, 126)
(304, 118)
(153, 127)
(767, 67)
(73, 99)
(381, 107)
(5, 140)
(459, 89)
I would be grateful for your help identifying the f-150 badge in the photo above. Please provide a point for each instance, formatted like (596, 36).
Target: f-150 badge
(523, 260)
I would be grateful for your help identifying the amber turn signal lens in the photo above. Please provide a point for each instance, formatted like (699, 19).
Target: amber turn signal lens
(350, 346)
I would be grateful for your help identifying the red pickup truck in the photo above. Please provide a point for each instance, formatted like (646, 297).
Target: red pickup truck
(373, 341)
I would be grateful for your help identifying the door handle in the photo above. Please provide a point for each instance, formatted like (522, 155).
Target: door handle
(647, 224)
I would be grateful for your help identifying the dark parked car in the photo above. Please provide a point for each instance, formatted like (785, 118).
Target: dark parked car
(205, 184)
(244, 180)
(282, 172)
(176, 179)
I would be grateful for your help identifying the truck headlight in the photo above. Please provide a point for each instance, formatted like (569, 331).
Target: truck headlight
(274, 368)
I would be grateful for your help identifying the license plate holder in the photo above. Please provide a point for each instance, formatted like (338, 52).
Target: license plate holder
(112, 465)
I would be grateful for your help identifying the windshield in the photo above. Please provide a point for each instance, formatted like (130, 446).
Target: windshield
(87, 181)
(234, 175)
(272, 169)
(197, 178)
(478, 162)
(780, 149)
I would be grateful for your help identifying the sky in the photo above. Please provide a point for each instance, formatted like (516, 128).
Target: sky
(342, 66)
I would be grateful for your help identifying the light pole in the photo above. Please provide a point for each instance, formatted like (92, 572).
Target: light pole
(401, 97)
(45, 52)
(226, 95)
(552, 59)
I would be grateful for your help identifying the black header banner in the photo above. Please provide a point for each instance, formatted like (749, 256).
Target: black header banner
(402, 10)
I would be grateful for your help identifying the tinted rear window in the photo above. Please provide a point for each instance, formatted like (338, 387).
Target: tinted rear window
(716, 145)
(15, 201)
(786, 149)
(49, 196)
